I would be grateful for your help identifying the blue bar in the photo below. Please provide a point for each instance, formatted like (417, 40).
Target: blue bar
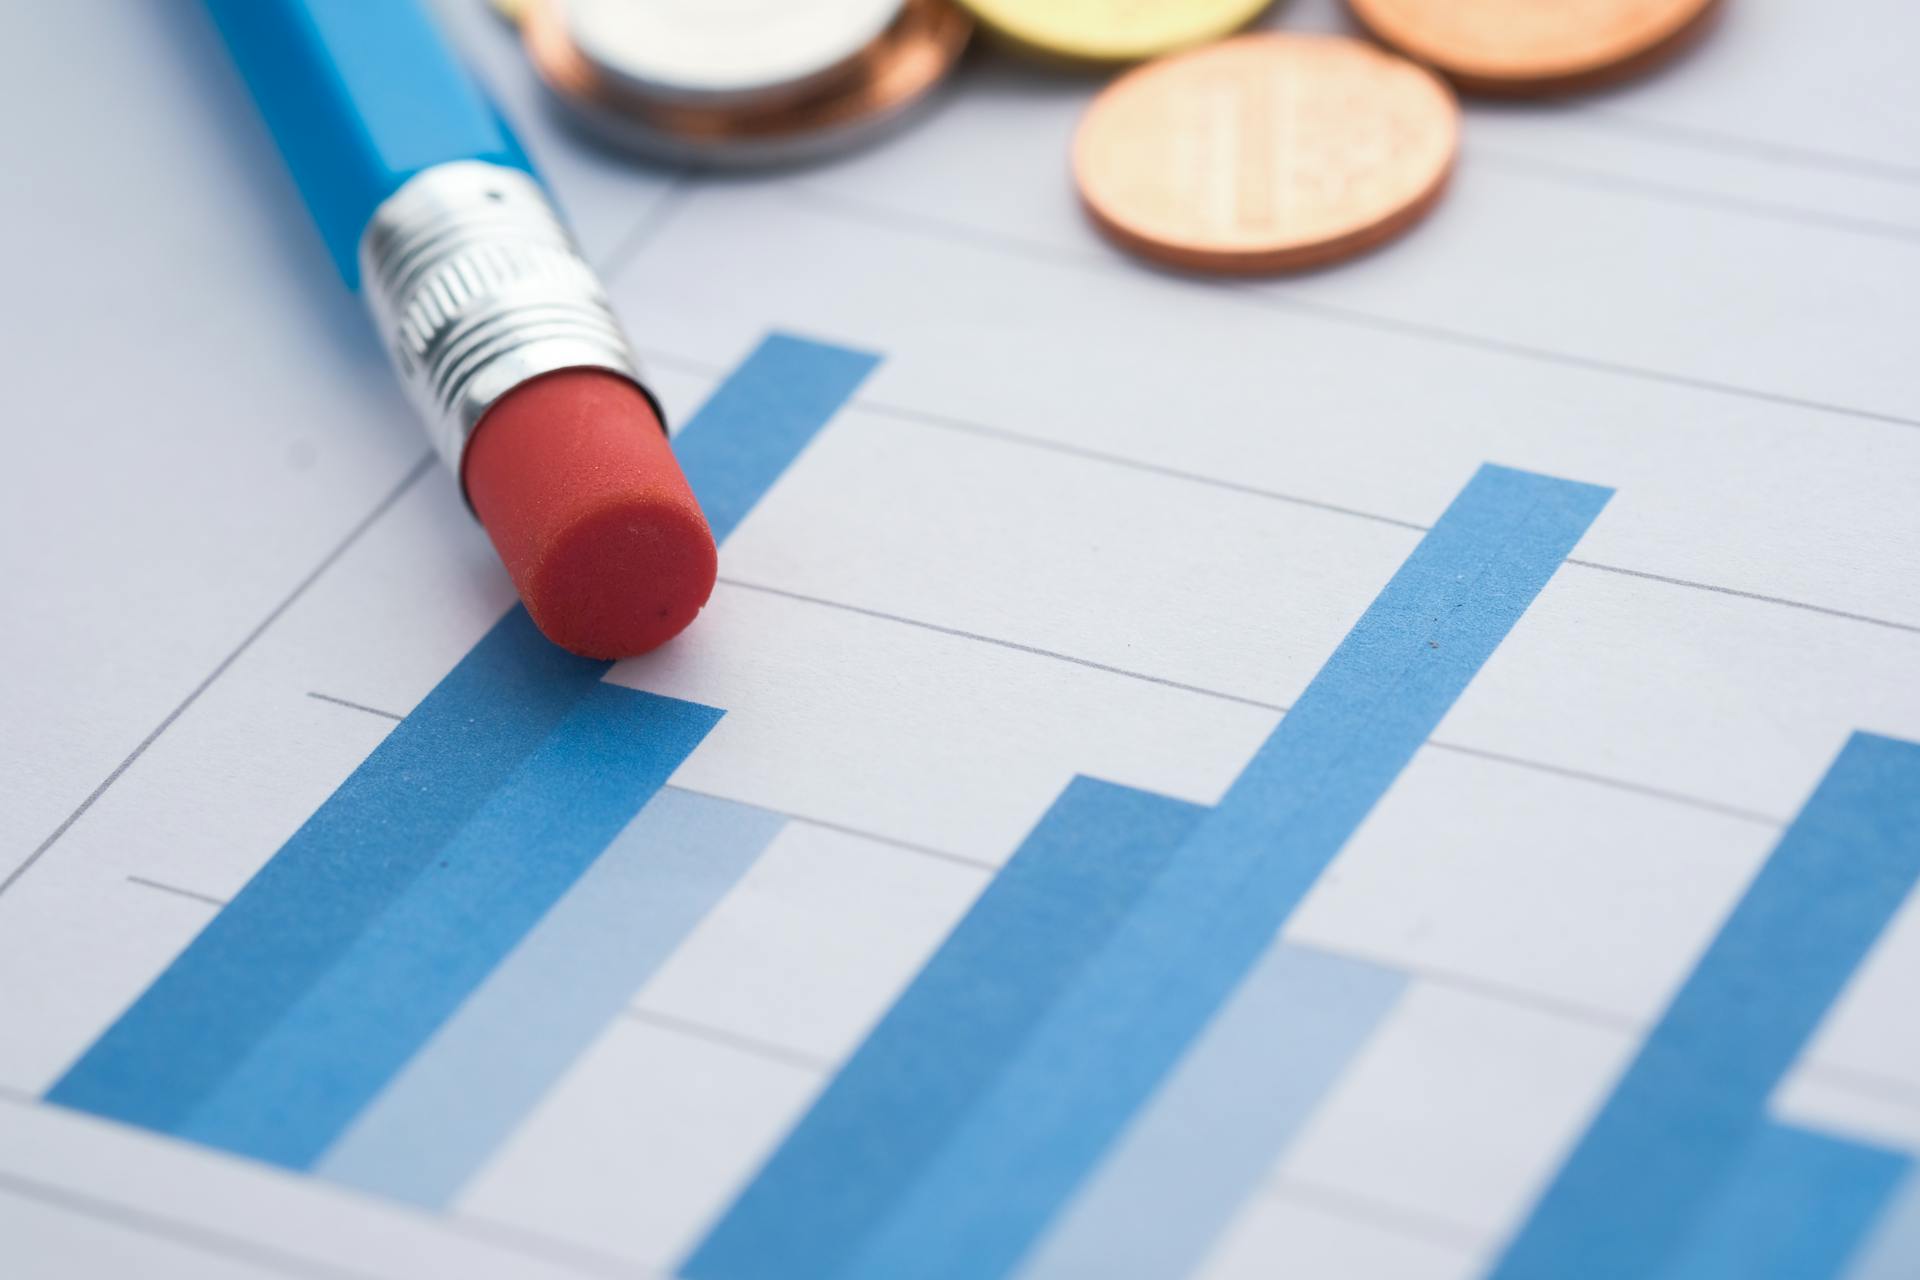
(1058, 1101)
(307, 906)
(1212, 1134)
(305, 1080)
(1892, 1252)
(460, 1098)
(1796, 1208)
(892, 1106)
(761, 418)
(392, 817)
(1678, 1122)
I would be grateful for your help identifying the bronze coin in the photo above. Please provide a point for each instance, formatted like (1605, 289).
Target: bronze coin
(1266, 153)
(1531, 47)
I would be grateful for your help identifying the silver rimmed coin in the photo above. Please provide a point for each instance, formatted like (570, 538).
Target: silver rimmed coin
(723, 53)
(867, 97)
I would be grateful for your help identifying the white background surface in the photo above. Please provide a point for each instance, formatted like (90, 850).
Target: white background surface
(1087, 518)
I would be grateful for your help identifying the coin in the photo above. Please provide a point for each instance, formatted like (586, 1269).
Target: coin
(1113, 30)
(876, 90)
(1536, 46)
(723, 52)
(1265, 153)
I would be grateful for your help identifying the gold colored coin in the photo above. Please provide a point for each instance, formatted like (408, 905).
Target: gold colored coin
(1266, 153)
(1536, 46)
(1113, 30)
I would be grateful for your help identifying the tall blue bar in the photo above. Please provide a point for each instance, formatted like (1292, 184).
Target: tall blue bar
(1798, 1206)
(176, 1059)
(1689, 1115)
(1059, 1096)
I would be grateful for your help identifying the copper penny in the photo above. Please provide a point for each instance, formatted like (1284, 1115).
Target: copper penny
(1536, 46)
(1266, 153)
(875, 90)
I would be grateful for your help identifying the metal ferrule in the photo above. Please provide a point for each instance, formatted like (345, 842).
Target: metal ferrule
(476, 287)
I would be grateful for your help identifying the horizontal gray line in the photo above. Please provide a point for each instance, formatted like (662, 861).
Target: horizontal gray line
(177, 891)
(1279, 300)
(1871, 1084)
(946, 423)
(300, 588)
(730, 1039)
(1620, 784)
(1695, 137)
(1505, 993)
(551, 1248)
(684, 363)
(1737, 593)
(925, 850)
(561, 1252)
(1276, 298)
(1347, 1204)
(1014, 645)
(354, 706)
(192, 1236)
(1573, 175)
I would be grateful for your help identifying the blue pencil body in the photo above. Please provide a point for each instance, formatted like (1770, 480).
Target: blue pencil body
(361, 95)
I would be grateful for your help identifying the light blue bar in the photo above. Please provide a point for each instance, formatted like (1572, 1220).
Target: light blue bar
(888, 1111)
(760, 419)
(305, 1081)
(468, 1089)
(1212, 1134)
(1796, 1208)
(359, 851)
(1892, 1252)
(1063, 1094)
(1678, 1122)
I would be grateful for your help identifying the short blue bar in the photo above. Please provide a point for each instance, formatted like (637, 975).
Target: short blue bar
(758, 421)
(1056, 1098)
(1679, 1122)
(1213, 1132)
(461, 1097)
(306, 1079)
(307, 907)
(887, 1113)
(1797, 1207)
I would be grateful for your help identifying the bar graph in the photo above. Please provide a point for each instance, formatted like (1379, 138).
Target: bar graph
(877, 1181)
(462, 836)
(1682, 1173)
(1103, 1060)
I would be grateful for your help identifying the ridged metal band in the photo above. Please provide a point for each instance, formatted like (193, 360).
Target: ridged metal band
(476, 287)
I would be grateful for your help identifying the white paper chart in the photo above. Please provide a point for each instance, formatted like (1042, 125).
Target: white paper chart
(1410, 771)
